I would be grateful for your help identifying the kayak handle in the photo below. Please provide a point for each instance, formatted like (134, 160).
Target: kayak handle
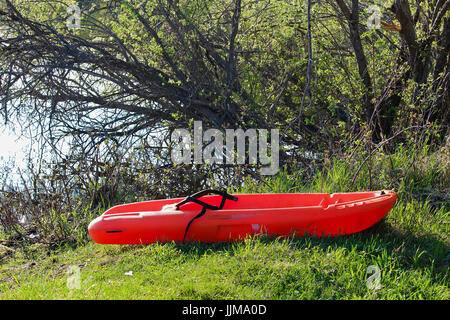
(194, 198)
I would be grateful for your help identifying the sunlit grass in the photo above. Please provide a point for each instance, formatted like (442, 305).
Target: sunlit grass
(305, 268)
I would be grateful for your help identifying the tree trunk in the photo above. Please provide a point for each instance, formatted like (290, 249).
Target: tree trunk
(441, 76)
(355, 38)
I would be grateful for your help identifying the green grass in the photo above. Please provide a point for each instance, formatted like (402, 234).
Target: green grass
(256, 269)
(410, 247)
(413, 266)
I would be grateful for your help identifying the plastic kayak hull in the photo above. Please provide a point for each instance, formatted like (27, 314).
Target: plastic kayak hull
(287, 214)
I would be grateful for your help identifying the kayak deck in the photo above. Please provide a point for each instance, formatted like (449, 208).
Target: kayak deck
(287, 214)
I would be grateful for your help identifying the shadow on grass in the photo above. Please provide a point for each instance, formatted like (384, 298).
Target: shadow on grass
(411, 251)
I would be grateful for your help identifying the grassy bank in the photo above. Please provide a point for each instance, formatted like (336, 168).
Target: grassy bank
(307, 268)
(410, 248)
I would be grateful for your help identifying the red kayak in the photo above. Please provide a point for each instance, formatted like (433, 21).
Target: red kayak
(225, 217)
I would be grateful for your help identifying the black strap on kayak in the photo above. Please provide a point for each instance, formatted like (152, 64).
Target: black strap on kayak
(194, 198)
